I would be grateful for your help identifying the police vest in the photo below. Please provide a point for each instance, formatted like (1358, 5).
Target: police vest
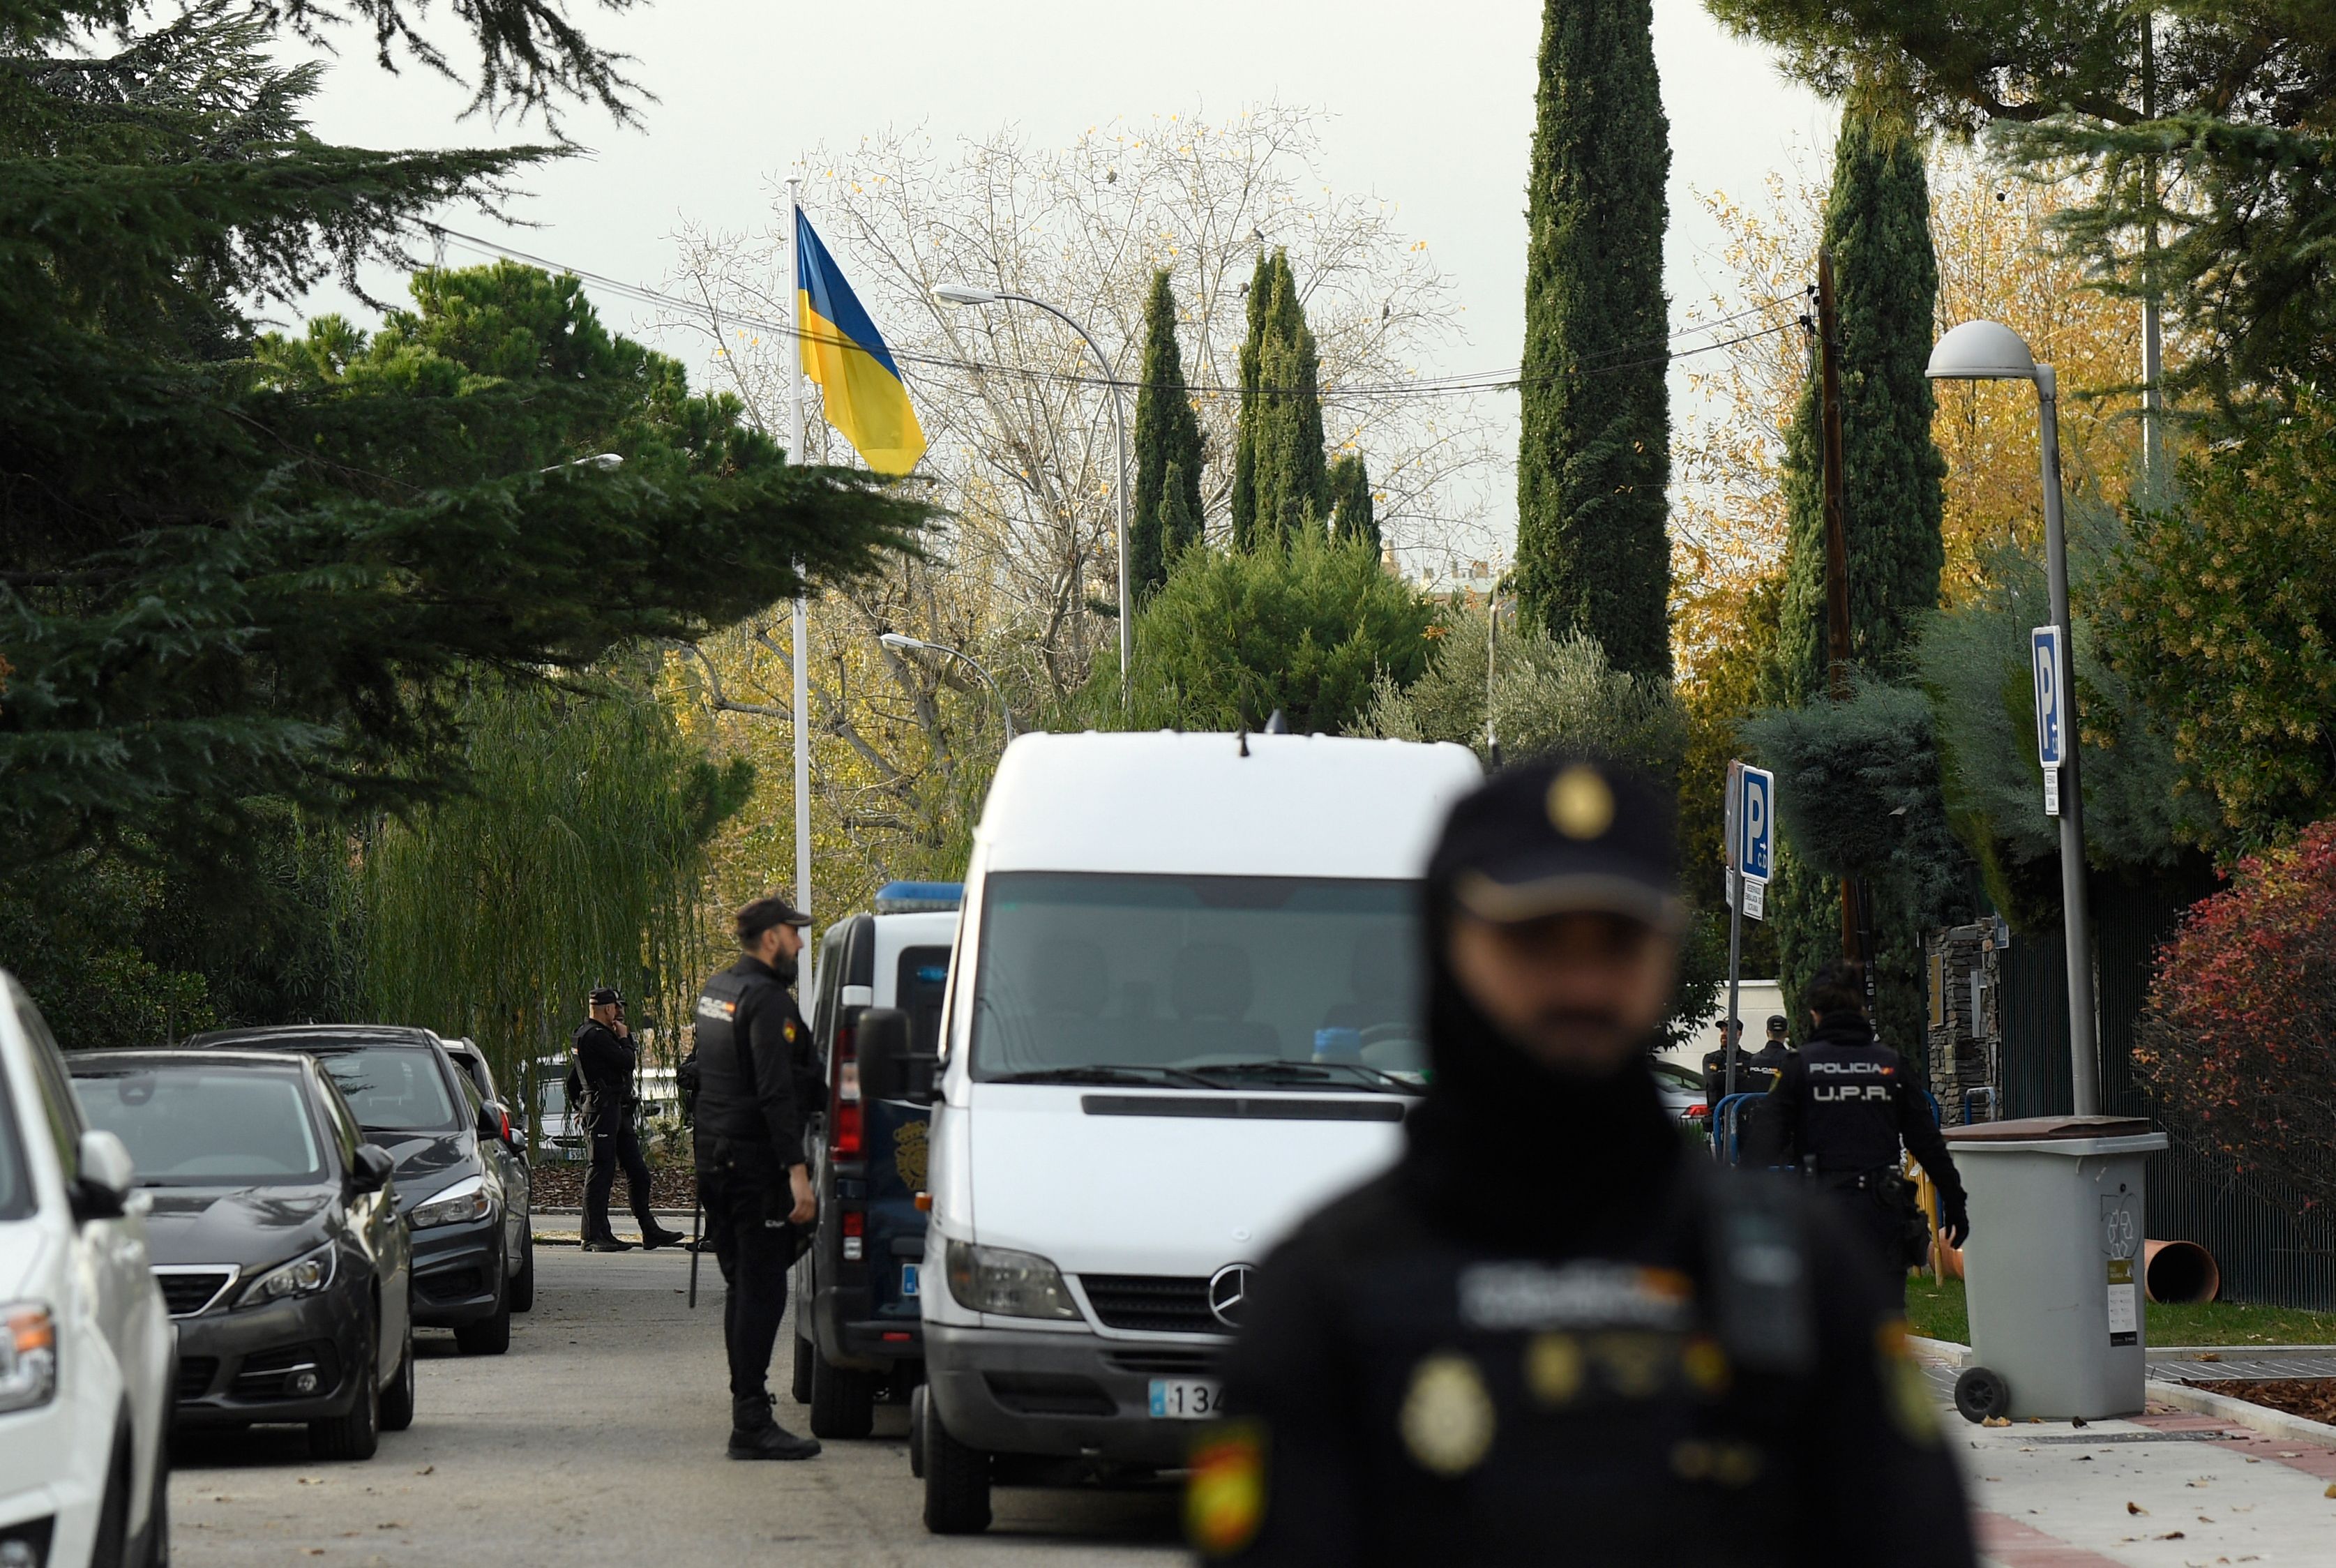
(726, 1093)
(1850, 1122)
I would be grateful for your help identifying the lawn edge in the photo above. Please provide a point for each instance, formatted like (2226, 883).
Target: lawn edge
(2244, 1413)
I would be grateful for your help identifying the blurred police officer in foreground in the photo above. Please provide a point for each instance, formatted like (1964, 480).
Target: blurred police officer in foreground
(1551, 1335)
(1846, 1102)
(610, 1104)
(751, 1174)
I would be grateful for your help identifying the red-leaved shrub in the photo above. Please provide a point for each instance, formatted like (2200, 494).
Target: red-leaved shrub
(2238, 1039)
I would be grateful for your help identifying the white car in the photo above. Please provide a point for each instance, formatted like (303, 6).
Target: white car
(86, 1349)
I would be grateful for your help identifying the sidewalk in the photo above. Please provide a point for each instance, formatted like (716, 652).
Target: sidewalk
(565, 1227)
(2166, 1489)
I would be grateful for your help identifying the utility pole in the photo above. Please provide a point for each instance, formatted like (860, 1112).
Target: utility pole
(1837, 541)
(2153, 364)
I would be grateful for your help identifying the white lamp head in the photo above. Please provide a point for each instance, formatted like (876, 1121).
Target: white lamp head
(965, 294)
(900, 640)
(1982, 351)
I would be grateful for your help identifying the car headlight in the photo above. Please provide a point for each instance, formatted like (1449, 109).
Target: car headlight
(303, 1276)
(1013, 1284)
(28, 1356)
(464, 1201)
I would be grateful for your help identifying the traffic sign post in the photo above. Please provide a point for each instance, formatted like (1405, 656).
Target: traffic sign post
(1751, 855)
(2047, 663)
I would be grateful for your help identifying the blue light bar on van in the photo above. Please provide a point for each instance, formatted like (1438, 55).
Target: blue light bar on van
(919, 897)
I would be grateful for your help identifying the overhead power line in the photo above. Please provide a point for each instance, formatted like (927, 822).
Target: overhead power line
(1463, 385)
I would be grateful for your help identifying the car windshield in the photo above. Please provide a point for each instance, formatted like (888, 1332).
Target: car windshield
(187, 1125)
(1202, 982)
(551, 1097)
(392, 1088)
(15, 1185)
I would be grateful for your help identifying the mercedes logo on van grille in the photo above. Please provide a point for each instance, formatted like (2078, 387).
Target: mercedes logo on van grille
(1228, 1289)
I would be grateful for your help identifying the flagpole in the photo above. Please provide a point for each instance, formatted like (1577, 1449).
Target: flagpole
(801, 628)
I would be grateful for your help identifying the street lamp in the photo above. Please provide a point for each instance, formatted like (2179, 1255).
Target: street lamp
(1991, 351)
(974, 294)
(603, 461)
(900, 641)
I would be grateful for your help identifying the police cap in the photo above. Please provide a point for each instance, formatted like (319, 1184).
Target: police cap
(761, 915)
(1562, 835)
(605, 996)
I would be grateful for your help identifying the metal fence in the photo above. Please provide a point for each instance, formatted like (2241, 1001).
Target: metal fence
(2269, 1246)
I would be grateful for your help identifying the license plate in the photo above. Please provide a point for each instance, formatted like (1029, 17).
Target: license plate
(907, 1278)
(1184, 1400)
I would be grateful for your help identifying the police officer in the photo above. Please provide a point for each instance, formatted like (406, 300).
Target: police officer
(751, 1173)
(1768, 1063)
(1548, 1335)
(1845, 1104)
(605, 1057)
(1715, 1065)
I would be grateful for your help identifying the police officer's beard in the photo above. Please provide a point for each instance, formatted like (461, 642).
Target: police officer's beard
(785, 967)
(1521, 1151)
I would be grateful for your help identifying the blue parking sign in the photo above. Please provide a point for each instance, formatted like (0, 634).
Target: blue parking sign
(2047, 663)
(1755, 823)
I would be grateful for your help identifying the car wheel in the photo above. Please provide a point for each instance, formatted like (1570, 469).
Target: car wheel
(917, 1403)
(956, 1481)
(843, 1402)
(357, 1435)
(523, 1285)
(805, 1354)
(397, 1399)
(112, 1547)
(489, 1335)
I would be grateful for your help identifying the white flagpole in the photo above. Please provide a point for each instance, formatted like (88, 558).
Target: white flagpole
(802, 619)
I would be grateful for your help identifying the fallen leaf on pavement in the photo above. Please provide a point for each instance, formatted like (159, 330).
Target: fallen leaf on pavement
(2170, 1535)
(1996, 1421)
(2210, 1356)
(425, 1470)
(2135, 1508)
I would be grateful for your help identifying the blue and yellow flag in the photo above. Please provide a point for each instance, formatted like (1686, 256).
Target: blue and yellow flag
(844, 353)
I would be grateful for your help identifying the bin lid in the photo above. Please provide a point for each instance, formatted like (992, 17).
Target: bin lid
(2043, 1129)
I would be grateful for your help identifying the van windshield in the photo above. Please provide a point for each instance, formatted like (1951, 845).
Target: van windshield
(1205, 982)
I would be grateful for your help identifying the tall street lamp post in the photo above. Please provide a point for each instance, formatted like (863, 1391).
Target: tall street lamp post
(901, 641)
(1991, 351)
(972, 294)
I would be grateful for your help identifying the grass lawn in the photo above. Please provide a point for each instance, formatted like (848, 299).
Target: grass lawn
(1936, 1309)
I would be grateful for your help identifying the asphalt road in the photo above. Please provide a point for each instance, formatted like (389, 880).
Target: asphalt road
(597, 1439)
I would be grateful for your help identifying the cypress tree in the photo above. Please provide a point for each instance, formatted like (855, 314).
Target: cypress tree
(1886, 285)
(1252, 408)
(1167, 444)
(1592, 552)
(1291, 477)
(1179, 512)
(1351, 518)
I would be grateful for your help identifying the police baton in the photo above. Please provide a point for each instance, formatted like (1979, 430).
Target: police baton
(697, 1236)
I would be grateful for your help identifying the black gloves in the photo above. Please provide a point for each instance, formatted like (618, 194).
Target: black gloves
(1954, 1218)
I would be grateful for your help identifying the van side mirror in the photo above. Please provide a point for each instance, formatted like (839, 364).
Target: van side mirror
(372, 1169)
(494, 1122)
(107, 1179)
(891, 1068)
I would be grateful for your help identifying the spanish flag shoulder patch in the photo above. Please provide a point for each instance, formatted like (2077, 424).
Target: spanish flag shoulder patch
(1224, 1501)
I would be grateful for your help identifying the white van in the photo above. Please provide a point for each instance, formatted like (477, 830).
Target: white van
(1183, 1012)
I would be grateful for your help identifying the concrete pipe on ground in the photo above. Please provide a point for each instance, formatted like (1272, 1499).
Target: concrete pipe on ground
(2179, 1271)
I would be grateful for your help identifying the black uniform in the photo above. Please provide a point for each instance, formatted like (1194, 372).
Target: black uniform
(1845, 1102)
(1768, 1065)
(1548, 1336)
(605, 1062)
(1715, 1075)
(753, 1071)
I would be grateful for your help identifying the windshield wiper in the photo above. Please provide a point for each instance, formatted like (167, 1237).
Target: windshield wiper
(1105, 1074)
(1318, 1073)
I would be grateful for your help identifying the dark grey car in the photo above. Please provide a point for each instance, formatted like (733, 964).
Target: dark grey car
(275, 1235)
(408, 1096)
(509, 1152)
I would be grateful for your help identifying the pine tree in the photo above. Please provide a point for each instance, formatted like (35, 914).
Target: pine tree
(1593, 553)
(1290, 478)
(1167, 449)
(1352, 520)
(1252, 407)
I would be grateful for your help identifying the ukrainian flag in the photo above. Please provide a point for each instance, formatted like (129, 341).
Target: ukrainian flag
(844, 353)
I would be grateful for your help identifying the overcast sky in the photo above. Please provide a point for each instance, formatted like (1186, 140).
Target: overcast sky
(1431, 109)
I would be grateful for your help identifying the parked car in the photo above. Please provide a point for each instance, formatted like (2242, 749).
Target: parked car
(276, 1237)
(84, 1340)
(408, 1096)
(858, 1324)
(1184, 1010)
(1681, 1089)
(562, 1136)
(509, 1152)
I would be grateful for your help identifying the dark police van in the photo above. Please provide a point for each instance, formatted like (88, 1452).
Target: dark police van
(857, 1319)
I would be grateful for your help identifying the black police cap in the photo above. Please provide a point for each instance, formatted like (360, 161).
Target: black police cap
(1561, 835)
(604, 996)
(761, 915)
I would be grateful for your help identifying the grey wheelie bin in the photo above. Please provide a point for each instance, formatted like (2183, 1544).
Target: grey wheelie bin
(2053, 1271)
